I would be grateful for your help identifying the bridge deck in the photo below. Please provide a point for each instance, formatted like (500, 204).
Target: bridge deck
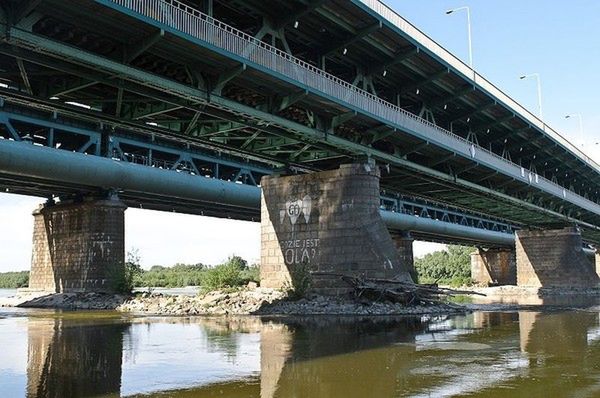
(130, 72)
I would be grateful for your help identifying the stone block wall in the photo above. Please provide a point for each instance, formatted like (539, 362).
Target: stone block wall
(326, 222)
(77, 246)
(553, 258)
(494, 266)
(404, 247)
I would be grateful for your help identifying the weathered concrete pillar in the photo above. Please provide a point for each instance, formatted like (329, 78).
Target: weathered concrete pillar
(404, 247)
(327, 222)
(78, 246)
(494, 266)
(553, 258)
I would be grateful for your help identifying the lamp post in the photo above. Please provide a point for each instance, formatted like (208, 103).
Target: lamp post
(539, 90)
(468, 28)
(578, 116)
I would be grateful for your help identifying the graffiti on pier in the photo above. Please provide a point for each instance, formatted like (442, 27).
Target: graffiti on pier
(300, 251)
(296, 208)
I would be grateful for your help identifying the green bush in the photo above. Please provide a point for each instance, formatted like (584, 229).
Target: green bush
(251, 274)
(451, 266)
(300, 283)
(122, 279)
(234, 272)
(14, 280)
(179, 275)
(228, 274)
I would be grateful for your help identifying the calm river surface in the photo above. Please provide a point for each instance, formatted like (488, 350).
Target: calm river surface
(554, 353)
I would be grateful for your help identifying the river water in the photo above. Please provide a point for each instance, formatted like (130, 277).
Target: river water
(552, 353)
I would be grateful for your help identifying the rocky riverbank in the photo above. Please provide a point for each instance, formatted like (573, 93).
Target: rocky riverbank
(262, 301)
(247, 301)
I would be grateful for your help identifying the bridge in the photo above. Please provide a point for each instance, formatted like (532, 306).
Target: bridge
(169, 105)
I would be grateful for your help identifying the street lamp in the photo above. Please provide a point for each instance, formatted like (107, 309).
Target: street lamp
(468, 28)
(578, 116)
(539, 89)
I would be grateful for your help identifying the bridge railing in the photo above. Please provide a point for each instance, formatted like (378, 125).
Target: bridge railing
(426, 42)
(227, 39)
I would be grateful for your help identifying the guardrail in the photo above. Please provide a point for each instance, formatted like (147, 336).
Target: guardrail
(194, 23)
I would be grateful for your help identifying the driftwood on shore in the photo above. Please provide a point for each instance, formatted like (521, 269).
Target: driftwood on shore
(406, 293)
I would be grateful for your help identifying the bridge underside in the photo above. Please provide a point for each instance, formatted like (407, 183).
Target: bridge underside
(108, 80)
(133, 76)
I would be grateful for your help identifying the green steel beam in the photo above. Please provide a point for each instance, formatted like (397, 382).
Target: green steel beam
(21, 9)
(352, 38)
(136, 49)
(416, 148)
(24, 75)
(271, 122)
(441, 160)
(396, 59)
(331, 16)
(226, 77)
(79, 84)
(419, 84)
(453, 97)
(290, 100)
(338, 120)
(307, 8)
(152, 109)
(471, 113)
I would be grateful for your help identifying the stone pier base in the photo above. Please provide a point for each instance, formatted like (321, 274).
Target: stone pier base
(494, 267)
(325, 222)
(553, 258)
(78, 247)
(404, 246)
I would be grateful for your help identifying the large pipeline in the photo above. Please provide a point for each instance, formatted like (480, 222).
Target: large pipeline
(28, 160)
(32, 161)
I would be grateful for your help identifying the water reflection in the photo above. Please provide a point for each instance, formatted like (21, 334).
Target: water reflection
(485, 354)
(74, 358)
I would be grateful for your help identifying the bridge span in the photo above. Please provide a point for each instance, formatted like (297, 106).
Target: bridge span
(100, 99)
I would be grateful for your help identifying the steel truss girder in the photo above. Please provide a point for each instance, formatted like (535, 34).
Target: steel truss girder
(421, 208)
(143, 183)
(256, 118)
(144, 152)
(581, 200)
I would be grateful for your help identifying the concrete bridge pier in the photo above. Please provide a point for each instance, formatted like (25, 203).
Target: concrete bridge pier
(328, 222)
(78, 246)
(495, 266)
(554, 258)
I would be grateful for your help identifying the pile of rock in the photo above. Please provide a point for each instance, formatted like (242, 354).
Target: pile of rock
(238, 302)
(70, 301)
(243, 301)
(263, 301)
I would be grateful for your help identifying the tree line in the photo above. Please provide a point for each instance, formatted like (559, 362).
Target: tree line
(451, 266)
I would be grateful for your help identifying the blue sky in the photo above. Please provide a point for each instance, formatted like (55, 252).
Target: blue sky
(560, 40)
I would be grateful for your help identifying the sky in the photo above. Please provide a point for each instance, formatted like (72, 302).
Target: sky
(558, 39)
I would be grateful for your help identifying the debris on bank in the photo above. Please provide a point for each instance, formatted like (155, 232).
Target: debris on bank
(406, 293)
(242, 301)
